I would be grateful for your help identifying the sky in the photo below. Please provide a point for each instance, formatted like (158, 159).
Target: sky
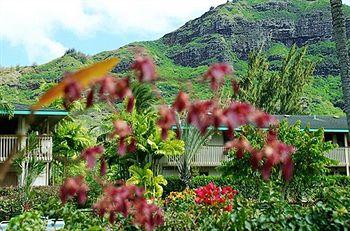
(37, 31)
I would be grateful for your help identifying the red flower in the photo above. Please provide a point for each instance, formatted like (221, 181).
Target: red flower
(228, 208)
(216, 74)
(287, 168)
(148, 215)
(74, 186)
(215, 196)
(90, 154)
(145, 69)
(182, 101)
(166, 120)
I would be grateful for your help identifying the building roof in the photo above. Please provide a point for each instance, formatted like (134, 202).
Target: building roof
(329, 123)
(314, 122)
(23, 109)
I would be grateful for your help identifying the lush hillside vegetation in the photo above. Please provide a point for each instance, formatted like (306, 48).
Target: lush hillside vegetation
(227, 33)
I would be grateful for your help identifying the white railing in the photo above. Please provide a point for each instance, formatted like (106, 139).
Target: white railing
(207, 156)
(341, 155)
(42, 150)
(213, 155)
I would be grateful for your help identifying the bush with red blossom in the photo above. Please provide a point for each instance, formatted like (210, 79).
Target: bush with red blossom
(219, 197)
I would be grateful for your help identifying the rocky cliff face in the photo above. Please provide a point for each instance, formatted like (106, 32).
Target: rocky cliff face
(236, 28)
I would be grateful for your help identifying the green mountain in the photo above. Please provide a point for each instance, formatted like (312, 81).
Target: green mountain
(227, 33)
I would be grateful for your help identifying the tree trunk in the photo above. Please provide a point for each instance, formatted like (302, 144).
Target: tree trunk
(339, 35)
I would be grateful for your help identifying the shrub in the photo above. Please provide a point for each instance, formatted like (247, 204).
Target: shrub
(175, 184)
(270, 212)
(27, 221)
(13, 202)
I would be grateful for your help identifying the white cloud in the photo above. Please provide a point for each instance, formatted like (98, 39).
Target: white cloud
(31, 24)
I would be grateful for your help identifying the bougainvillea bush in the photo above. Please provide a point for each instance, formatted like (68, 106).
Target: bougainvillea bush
(95, 85)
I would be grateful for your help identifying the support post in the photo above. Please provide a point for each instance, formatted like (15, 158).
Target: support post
(22, 146)
(347, 164)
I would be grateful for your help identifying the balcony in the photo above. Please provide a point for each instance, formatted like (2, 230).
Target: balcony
(211, 156)
(341, 155)
(42, 151)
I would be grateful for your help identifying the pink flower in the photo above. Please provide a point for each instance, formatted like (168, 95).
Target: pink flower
(235, 86)
(121, 128)
(90, 154)
(182, 101)
(103, 167)
(72, 91)
(74, 186)
(112, 88)
(262, 119)
(166, 120)
(241, 145)
(198, 114)
(216, 74)
(237, 114)
(276, 152)
(90, 98)
(145, 69)
(123, 88)
(131, 104)
(129, 201)
(132, 146)
(107, 88)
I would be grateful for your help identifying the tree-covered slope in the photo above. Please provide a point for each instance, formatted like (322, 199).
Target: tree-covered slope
(227, 33)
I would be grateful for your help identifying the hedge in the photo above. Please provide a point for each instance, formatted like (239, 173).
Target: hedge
(13, 200)
(252, 188)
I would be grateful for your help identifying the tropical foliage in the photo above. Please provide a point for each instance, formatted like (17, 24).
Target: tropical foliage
(70, 138)
(143, 177)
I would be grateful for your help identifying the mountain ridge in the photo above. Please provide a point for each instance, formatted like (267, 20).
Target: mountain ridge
(226, 33)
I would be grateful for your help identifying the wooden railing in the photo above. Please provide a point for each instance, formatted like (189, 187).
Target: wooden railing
(42, 150)
(213, 155)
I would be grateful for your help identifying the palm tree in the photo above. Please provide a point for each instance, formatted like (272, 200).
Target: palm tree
(194, 141)
(339, 33)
